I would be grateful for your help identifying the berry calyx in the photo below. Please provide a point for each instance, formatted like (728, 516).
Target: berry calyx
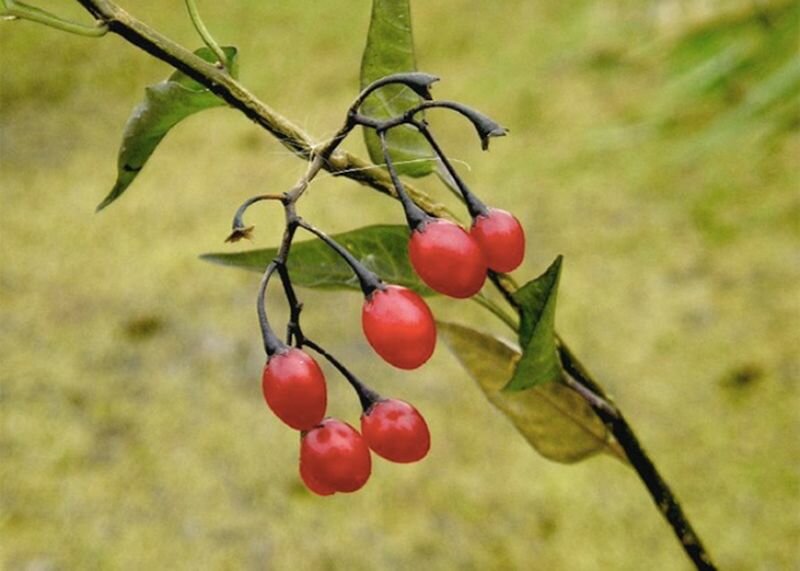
(396, 431)
(399, 325)
(294, 388)
(501, 237)
(335, 456)
(447, 258)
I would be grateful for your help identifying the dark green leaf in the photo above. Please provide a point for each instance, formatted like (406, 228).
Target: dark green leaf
(390, 49)
(382, 248)
(537, 300)
(164, 106)
(554, 419)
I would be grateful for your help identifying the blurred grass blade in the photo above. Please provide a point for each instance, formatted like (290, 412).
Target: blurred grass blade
(779, 87)
(164, 106)
(539, 363)
(736, 72)
(553, 419)
(390, 49)
(382, 248)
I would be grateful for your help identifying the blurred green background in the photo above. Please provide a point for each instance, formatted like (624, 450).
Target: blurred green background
(654, 144)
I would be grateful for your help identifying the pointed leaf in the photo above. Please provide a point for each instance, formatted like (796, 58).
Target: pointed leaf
(382, 248)
(390, 49)
(537, 300)
(164, 106)
(554, 419)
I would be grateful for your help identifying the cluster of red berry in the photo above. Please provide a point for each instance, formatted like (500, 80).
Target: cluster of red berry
(400, 327)
(334, 456)
(397, 323)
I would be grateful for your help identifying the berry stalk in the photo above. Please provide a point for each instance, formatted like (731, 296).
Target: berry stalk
(415, 216)
(272, 344)
(475, 206)
(366, 396)
(367, 279)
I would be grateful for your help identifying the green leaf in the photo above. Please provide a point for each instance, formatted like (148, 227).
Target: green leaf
(554, 419)
(164, 106)
(390, 49)
(537, 300)
(382, 248)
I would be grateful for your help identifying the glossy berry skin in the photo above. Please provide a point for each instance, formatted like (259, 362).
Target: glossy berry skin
(447, 258)
(396, 431)
(311, 481)
(335, 456)
(294, 388)
(399, 325)
(502, 239)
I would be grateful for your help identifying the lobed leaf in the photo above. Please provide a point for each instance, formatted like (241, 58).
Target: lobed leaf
(554, 419)
(381, 248)
(390, 49)
(537, 300)
(165, 105)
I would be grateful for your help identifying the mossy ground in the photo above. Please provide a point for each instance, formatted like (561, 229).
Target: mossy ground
(133, 433)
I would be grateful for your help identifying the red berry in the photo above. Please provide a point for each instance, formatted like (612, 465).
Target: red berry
(447, 258)
(396, 430)
(294, 388)
(399, 325)
(501, 238)
(336, 455)
(312, 483)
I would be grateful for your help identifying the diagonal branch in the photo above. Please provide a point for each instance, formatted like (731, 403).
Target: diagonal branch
(236, 95)
(342, 163)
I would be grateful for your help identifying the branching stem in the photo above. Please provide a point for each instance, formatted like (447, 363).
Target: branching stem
(115, 19)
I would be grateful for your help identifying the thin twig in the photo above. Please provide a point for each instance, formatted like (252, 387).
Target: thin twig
(206, 36)
(14, 9)
(496, 310)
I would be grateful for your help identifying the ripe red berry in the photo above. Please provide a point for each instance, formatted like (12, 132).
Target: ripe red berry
(396, 430)
(294, 388)
(501, 238)
(312, 483)
(447, 258)
(399, 325)
(335, 456)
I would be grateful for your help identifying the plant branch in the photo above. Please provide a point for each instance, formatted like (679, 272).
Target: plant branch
(291, 136)
(659, 490)
(236, 95)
